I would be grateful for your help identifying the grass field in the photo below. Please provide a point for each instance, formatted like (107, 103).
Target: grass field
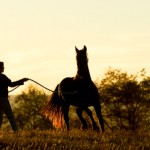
(75, 140)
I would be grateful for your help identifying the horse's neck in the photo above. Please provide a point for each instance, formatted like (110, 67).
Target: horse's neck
(83, 73)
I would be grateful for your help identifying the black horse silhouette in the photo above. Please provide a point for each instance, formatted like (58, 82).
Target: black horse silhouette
(78, 91)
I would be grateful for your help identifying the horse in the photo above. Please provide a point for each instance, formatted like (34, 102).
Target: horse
(79, 91)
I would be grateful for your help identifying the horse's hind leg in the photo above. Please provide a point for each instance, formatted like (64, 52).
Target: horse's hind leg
(99, 115)
(89, 112)
(79, 113)
(66, 117)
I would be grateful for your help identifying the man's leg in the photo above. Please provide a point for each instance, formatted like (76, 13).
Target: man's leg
(8, 111)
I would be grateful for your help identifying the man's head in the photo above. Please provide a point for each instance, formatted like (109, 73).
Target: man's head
(1, 67)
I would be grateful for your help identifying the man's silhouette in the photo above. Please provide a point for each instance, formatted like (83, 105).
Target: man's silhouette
(5, 107)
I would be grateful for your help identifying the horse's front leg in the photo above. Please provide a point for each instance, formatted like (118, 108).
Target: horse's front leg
(99, 115)
(79, 113)
(66, 117)
(89, 112)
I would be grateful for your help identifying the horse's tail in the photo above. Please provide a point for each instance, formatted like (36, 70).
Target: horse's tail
(54, 109)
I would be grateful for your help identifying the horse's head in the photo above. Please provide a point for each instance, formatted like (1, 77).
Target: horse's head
(81, 55)
(82, 60)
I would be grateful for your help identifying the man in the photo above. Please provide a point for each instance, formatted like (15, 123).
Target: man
(5, 107)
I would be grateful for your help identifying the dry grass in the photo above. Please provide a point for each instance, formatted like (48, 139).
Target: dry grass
(75, 140)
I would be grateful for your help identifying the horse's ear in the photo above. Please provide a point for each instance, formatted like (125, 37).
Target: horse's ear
(76, 49)
(85, 48)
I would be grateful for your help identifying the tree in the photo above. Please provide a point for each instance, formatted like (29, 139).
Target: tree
(125, 99)
(27, 109)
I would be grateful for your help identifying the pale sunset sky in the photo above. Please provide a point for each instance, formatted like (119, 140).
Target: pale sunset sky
(37, 37)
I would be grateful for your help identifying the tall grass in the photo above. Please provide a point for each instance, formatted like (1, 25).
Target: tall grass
(74, 140)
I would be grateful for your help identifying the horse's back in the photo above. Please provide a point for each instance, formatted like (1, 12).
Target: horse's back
(67, 84)
(78, 92)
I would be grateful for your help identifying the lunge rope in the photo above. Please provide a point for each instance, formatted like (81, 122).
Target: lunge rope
(34, 82)
(73, 92)
(14, 88)
(41, 85)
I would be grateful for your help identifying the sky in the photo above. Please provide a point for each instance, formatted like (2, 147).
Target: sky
(38, 37)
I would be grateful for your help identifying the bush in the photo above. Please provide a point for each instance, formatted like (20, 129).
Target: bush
(125, 98)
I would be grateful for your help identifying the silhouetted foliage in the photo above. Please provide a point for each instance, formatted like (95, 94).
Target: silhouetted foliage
(125, 98)
(27, 109)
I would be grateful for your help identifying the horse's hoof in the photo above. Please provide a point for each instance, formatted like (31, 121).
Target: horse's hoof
(96, 128)
(84, 127)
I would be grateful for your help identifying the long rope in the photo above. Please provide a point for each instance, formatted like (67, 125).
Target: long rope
(14, 88)
(34, 82)
(41, 85)
(73, 92)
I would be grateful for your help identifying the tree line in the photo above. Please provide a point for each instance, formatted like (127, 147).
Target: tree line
(125, 102)
(125, 99)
